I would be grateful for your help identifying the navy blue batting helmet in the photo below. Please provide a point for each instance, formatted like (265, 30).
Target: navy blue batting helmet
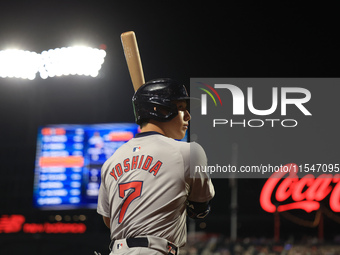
(154, 100)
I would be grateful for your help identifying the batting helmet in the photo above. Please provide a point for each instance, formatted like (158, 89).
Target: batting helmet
(154, 100)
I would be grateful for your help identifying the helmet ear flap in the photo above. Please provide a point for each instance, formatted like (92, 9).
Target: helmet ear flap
(148, 110)
(165, 113)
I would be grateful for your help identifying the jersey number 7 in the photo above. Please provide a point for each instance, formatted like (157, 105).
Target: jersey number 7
(136, 186)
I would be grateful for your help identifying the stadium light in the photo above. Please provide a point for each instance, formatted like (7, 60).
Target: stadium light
(19, 64)
(78, 60)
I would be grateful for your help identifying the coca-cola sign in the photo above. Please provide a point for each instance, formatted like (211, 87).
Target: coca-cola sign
(284, 191)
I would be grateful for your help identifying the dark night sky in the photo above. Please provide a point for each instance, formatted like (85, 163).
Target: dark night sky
(229, 39)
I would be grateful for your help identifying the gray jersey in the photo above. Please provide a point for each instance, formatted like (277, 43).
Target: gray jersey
(145, 185)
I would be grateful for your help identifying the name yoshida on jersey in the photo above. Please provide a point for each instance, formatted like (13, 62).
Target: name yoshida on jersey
(138, 162)
(146, 183)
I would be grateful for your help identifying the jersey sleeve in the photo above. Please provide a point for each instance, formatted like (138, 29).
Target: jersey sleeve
(103, 207)
(201, 188)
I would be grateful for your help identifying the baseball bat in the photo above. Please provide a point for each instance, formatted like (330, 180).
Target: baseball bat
(133, 59)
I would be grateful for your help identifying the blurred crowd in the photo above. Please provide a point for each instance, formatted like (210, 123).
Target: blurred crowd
(216, 244)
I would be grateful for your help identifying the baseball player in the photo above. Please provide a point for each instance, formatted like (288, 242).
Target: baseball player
(146, 187)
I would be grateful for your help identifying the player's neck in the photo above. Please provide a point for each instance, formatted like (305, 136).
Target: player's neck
(152, 127)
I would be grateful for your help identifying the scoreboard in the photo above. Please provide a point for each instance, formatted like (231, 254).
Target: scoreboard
(69, 160)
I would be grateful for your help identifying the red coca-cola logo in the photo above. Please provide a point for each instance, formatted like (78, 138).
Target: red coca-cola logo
(306, 192)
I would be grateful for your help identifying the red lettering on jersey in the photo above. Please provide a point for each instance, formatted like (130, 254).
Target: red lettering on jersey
(134, 162)
(112, 173)
(140, 162)
(136, 187)
(126, 165)
(156, 167)
(118, 168)
(147, 162)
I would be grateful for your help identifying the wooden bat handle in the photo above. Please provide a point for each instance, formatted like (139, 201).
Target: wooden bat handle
(133, 59)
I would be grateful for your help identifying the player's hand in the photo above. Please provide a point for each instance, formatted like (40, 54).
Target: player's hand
(197, 210)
